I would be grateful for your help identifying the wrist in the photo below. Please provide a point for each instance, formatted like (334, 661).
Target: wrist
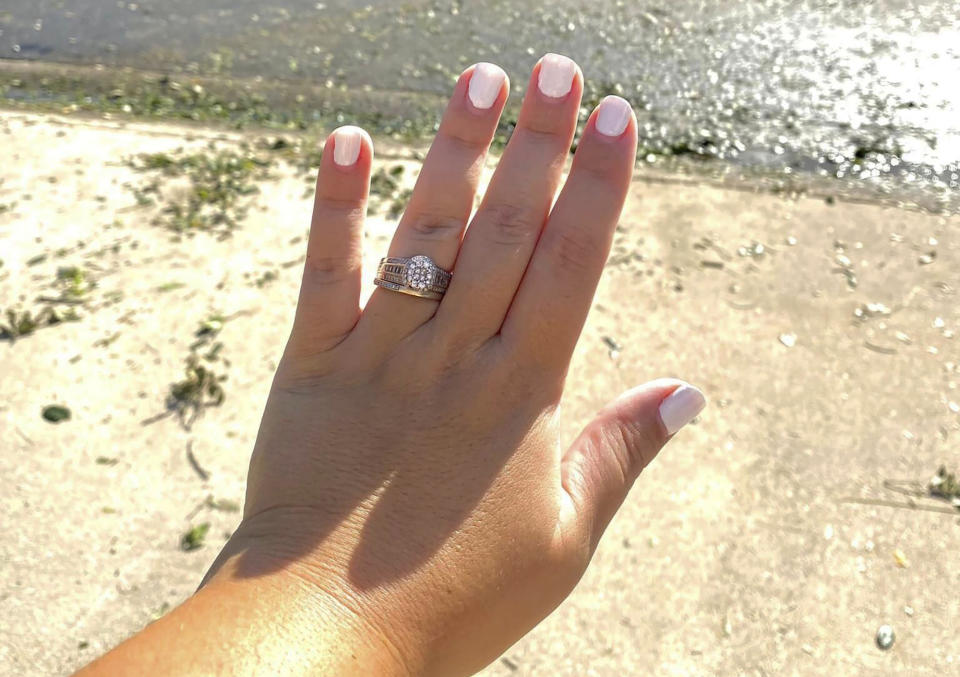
(254, 625)
(305, 612)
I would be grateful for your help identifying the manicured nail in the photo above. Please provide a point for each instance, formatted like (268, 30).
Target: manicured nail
(556, 75)
(613, 114)
(681, 407)
(486, 81)
(346, 145)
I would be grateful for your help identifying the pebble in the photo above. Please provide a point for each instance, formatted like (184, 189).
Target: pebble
(56, 413)
(885, 637)
(789, 340)
(871, 310)
(755, 250)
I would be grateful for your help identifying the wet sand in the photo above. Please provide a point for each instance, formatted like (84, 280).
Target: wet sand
(765, 539)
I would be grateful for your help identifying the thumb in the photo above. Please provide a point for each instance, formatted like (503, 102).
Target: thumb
(603, 462)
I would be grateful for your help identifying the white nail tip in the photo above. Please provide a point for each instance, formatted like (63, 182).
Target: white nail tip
(556, 75)
(613, 115)
(681, 407)
(486, 81)
(346, 145)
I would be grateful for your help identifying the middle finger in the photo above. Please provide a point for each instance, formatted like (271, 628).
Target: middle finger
(505, 229)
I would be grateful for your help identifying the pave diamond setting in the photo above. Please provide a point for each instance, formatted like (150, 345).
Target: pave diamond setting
(419, 272)
(417, 276)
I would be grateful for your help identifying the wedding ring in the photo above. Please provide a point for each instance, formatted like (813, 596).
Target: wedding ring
(417, 276)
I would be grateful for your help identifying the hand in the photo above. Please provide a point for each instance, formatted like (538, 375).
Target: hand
(407, 483)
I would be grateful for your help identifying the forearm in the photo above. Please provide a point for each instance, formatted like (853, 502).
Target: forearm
(270, 624)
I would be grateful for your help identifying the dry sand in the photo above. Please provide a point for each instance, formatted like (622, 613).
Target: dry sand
(740, 550)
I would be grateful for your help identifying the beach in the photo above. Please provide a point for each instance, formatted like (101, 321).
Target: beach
(774, 536)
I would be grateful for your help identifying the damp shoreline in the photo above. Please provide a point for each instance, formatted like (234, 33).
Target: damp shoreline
(296, 109)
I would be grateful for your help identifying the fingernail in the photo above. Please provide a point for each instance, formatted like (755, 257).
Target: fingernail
(681, 407)
(556, 75)
(613, 114)
(346, 145)
(486, 81)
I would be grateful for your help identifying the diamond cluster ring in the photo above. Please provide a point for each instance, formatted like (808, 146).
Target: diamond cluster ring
(417, 276)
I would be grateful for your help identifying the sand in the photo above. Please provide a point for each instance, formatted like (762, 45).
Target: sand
(750, 546)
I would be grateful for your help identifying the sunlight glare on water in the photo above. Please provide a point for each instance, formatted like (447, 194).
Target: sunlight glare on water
(863, 91)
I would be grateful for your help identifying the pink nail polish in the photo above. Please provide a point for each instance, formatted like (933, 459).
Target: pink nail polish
(613, 115)
(680, 407)
(486, 81)
(556, 75)
(346, 145)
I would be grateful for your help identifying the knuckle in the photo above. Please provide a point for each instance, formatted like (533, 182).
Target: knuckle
(463, 141)
(643, 442)
(573, 250)
(633, 445)
(304, 368)
(422, 360)
(529, 363)
(599, 173)
(431, 227)
(512, 225)
(541, 133)
(340, 209)
(325, 271)
(456, 352)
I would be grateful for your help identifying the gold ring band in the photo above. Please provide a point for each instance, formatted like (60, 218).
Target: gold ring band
(416, 276)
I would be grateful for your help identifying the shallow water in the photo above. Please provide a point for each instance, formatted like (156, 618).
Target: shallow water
(869, 91)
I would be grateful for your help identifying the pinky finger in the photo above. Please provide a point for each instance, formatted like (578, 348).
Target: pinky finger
(329, 303)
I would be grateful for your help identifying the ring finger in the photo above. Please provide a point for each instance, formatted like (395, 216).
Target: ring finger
(442, 199)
